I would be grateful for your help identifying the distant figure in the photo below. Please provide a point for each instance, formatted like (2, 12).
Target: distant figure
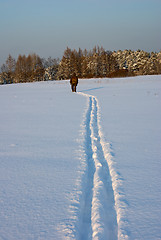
(74, 82)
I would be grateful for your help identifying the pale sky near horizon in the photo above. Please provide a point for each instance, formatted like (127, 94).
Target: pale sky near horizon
(47, 27)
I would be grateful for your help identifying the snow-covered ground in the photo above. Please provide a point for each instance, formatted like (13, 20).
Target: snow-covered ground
(82, 165)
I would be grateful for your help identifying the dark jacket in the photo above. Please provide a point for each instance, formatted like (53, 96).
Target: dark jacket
(74, 80)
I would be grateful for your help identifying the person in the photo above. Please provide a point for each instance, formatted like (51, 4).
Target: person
(74, 82)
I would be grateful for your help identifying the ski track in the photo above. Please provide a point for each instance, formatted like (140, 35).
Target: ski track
(98, 215)
(98, 204)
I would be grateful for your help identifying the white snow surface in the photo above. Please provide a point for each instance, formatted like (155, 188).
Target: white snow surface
(82, 165)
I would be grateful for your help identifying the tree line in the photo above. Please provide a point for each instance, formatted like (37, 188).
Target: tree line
(86, 64)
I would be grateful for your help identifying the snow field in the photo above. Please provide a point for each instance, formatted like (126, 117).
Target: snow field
(81, 165)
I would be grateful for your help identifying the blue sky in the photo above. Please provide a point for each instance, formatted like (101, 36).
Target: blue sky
(47, 27)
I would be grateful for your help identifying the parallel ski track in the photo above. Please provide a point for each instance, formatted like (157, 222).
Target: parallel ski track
(98, 217)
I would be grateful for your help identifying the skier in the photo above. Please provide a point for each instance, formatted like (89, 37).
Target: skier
(74, 82)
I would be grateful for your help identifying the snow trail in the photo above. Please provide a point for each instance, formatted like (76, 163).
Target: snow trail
(98, 218)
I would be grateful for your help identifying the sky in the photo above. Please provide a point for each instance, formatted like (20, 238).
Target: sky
(48, 27)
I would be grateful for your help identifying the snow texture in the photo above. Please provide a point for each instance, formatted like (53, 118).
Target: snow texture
(82, 165)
